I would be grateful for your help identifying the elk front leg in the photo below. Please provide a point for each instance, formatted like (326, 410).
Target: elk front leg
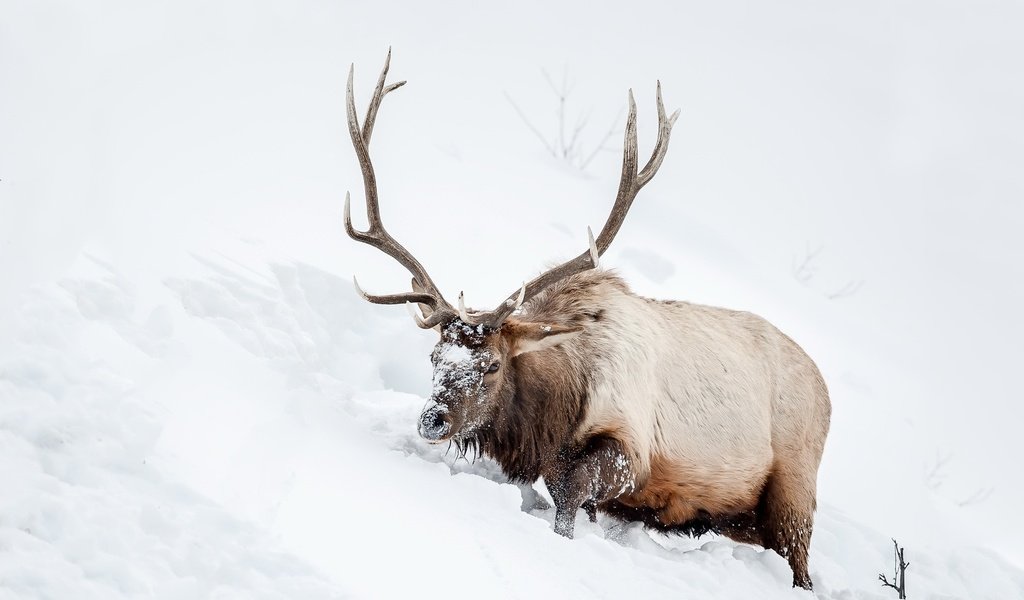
(601, 471)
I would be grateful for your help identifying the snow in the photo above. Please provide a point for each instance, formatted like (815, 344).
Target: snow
(195, 403)
(457, 367)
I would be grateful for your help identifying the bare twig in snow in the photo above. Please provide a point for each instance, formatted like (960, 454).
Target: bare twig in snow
(851, 288)
(899, 577)
(935, 474)
(604, 141)
(980, 495)
(530, 124)
(566, 142)
(804, 270)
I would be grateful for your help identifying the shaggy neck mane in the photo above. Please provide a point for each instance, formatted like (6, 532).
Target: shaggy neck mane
(550, 383)
(523, 444)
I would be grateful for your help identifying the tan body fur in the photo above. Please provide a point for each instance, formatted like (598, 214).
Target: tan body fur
(722, 416)
(701, 397)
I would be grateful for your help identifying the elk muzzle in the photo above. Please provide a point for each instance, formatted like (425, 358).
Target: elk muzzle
(435, 424)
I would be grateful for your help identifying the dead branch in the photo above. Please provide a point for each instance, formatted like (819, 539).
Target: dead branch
(566, 142)
(804, 270)
(899, 577)
(603, 145)
(980, 495)
(531, 126)
(936, 473)
(851, 288)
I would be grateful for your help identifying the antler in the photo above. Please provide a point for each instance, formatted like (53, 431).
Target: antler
(629, 184)
(424, 292)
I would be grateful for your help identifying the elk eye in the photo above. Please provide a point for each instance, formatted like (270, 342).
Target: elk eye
(492, 367)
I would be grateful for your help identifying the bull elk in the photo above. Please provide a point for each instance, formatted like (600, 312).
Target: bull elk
(685, 417)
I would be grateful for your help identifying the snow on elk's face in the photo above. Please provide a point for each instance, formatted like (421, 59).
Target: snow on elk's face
(474, 370)
(468, 376)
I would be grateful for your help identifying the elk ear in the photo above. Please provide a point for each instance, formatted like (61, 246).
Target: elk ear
(531, 337)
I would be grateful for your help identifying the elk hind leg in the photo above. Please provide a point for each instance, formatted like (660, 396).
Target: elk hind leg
(786, 519)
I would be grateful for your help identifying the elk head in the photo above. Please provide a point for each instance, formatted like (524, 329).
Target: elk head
(474, 373)
(474, 358)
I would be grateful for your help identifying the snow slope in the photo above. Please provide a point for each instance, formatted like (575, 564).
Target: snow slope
(194, 403)
(265, 389)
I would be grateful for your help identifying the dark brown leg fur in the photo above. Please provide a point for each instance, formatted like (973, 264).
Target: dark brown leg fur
(585, 478)
(785, 521)
(742, 528)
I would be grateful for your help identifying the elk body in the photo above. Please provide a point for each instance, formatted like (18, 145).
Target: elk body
(688, 418)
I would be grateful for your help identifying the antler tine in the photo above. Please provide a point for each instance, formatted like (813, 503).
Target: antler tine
(404, 297)
(661, 146)
(378, 94)
(462, 308)
(428, 323)
(630, 184)
(376, 235)
(595, 255)
(415, 315)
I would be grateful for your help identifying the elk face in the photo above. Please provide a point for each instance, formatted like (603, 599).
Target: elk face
(473, 370)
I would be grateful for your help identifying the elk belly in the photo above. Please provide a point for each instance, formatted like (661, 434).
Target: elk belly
(678, 492)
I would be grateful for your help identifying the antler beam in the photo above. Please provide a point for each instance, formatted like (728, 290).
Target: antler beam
(425, 292)
(376, 235)
(630, 184)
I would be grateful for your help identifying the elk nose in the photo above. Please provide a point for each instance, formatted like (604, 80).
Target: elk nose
(434, 424)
